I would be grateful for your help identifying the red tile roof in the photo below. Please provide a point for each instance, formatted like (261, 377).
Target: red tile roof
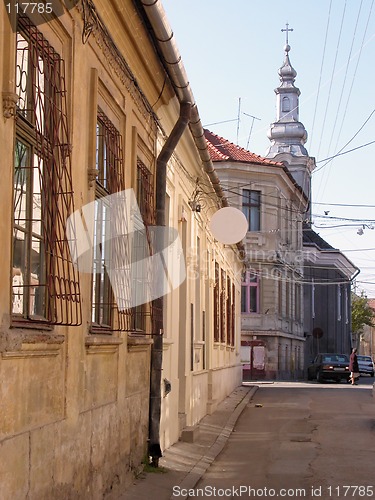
(221, 149)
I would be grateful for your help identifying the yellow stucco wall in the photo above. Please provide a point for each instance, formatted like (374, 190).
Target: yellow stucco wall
(74, 406)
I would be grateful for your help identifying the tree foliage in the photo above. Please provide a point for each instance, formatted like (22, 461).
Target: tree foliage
(362, 313)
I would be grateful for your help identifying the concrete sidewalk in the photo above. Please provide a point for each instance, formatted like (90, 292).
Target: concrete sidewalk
(185, 463)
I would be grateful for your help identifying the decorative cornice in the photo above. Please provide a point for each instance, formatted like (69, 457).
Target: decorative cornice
(39, 350)
(10, 100)
(93, 25)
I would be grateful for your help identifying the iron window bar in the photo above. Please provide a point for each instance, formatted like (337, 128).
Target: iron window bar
(145, 315)
(111, 311)
(42, 126)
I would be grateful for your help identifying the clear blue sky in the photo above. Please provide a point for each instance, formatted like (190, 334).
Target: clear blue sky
(232, 50)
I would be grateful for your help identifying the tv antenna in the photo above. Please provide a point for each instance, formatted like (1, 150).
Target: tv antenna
(238, 118)
(251, 128)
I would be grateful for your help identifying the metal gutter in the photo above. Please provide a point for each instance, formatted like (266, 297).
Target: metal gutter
(164, 38)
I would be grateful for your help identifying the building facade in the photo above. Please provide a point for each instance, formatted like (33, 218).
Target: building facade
(327, 297)
(327, 273)
(272, 336)
(90, 111)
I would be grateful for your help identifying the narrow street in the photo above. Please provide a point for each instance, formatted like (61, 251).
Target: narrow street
(301, 440)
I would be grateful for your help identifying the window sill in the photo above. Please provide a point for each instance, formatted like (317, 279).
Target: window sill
(199, 343)
(24, 324)
(220, 345)
(139, 342)
(101, 330)
(97, 344)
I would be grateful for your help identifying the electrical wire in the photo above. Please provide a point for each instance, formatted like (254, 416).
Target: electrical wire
(345, 77)
(355, 73)
(327, 174)
(321, 71)
(332, 76)
(350, 140)
(352, 219)
(342, 204)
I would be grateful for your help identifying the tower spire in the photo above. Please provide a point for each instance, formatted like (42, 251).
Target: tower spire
(287, 134)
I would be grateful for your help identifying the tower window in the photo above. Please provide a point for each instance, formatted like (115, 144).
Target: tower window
(286, 104)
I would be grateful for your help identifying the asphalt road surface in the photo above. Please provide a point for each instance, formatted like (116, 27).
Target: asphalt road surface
(299, 440)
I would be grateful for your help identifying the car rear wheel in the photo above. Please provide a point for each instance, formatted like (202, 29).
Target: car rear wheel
(319, 377)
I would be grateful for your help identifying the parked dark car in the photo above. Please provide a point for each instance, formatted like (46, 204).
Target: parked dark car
(365, 364)
(329, 366)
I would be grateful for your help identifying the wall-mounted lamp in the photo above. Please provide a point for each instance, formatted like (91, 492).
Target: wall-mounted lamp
(195, 206)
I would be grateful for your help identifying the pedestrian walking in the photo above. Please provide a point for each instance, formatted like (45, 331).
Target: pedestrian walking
(353, 367)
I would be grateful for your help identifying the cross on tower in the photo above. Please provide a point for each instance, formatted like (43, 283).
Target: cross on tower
(287, 29)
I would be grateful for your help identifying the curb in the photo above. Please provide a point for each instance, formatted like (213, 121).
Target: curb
(196, 473)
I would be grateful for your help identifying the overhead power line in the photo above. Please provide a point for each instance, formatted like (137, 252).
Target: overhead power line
(330, 158)
(347, 144)
(342, 204)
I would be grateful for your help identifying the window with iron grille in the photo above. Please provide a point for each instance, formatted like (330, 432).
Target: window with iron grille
(251, 208)
(145, 193)
(142, 247)
(45, 283)
(217, 304)
(110, 251)
(223, 310)
(231, 290)
(233, 330)
(229, 311)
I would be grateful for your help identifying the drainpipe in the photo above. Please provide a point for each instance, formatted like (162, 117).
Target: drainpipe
(162, 38)
(158, 304)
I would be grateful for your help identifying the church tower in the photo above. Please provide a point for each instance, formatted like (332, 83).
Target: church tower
(287, 134)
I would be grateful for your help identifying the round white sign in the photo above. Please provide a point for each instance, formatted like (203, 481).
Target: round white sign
(229, 225)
